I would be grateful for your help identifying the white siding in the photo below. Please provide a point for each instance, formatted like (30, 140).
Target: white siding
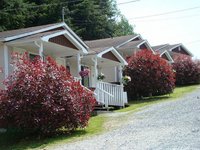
(73, 66)
(1, 65)
(61, 62)
(92, 77)
(110, 74)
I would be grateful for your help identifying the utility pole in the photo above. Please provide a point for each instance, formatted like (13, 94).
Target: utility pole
(63, 14)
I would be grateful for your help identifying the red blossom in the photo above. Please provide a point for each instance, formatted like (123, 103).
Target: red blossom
(149, 74)
(44, 97)
(187, 70)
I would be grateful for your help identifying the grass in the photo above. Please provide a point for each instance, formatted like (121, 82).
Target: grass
(19, 141)
(178, 92)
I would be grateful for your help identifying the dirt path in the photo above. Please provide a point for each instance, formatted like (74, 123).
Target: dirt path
(168, 125)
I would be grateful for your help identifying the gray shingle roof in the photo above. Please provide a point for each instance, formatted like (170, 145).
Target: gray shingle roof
(11, 33)
(132, 44)
(36, 36)
(157, 47)
(97, 50)
(109, 42)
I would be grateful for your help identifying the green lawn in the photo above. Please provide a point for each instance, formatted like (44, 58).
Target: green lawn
(19, 141)
(178, 92)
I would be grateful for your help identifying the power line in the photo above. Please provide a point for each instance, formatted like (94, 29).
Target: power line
(165, 13)
(54, 4)
(192, 42)
(170, 18)
(122, 3)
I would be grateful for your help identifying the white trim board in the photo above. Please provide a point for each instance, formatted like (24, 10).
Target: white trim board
(83, 46)
(181, 45)
(168, 55)
(114, 51)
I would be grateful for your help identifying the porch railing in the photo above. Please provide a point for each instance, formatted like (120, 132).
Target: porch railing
(77, 79)
(110, 94)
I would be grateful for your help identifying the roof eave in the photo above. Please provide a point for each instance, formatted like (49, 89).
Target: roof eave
(114, 51)
(138, 35)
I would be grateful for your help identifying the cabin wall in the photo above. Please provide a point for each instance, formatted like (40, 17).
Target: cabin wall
(2, 75)
(110, 74)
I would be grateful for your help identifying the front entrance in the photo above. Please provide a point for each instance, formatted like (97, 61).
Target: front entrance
(85, 79)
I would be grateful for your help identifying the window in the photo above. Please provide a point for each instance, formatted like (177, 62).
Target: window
(32, 56)
(68, 67)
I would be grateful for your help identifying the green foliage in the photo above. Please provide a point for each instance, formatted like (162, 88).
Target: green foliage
(10, 16)
(123, 27)
(177, 93)
(90, 19)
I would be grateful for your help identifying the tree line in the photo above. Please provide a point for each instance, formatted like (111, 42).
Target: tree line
(90, 19)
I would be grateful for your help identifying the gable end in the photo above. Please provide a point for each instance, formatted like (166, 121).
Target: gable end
(111, 56)
(62, 40)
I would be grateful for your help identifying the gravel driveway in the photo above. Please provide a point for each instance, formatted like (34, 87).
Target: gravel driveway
(168, 125)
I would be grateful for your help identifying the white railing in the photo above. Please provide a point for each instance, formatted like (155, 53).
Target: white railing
(110, 94)
(77, 79)
(125, 97)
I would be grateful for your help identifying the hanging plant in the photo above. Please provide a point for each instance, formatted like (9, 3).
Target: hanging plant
(84, 73)
(101, 76)
(126, 79)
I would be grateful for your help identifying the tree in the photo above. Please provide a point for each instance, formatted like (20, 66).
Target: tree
(11, 17)
(123, 27)
(90, 19)
(42, 97)
(187, 70)
(93, 19)
(150, 75)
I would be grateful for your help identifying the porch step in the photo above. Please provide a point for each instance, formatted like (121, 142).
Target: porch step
(101, 107)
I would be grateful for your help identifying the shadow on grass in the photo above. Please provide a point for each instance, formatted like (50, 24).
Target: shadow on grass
(19, 140)
(150, 99)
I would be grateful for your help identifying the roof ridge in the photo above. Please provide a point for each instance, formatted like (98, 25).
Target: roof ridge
(111, 38)
(31, 27)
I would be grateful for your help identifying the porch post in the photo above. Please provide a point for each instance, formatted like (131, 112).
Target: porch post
(78, 64)
(120, 73)
(41, 49)
(95, 69)
(6, 61)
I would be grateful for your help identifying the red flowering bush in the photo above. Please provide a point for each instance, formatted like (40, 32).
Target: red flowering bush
(187, 70)
(43, 97)
(150, 75)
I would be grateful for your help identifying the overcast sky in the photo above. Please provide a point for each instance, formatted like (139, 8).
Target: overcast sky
(166, 21)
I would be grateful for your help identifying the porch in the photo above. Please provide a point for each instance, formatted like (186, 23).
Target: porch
(56, 44)
(109, 63)
(108, 94)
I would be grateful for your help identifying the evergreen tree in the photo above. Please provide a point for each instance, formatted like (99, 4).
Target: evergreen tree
(123, 27)
(90, 19)
(11, 17)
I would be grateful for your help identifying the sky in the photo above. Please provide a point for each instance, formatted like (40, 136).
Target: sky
(165, 21)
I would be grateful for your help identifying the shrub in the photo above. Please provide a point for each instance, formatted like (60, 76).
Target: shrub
(43, 97)
(150, 75)
(187, 70)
